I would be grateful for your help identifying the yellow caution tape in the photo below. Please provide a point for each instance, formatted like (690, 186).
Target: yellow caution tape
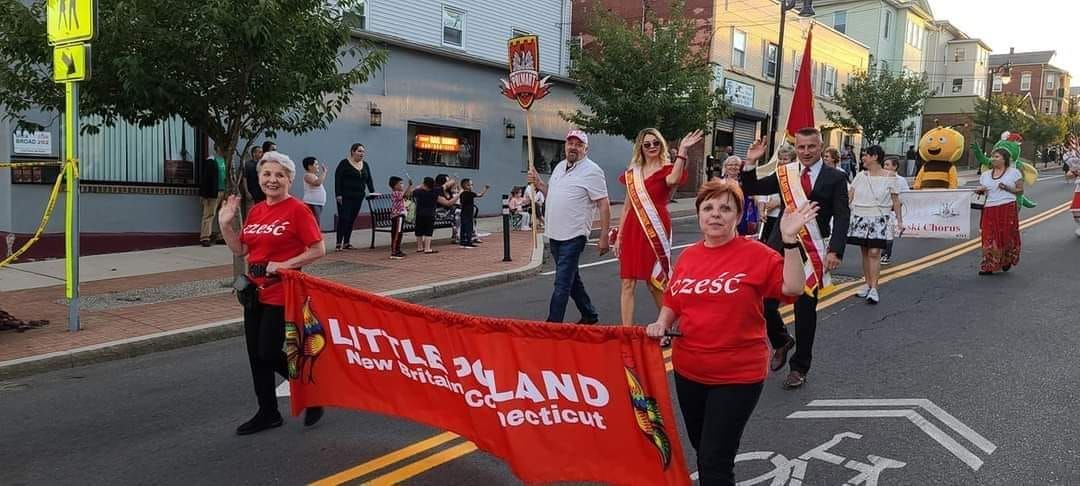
(16, 165)
(42, 224)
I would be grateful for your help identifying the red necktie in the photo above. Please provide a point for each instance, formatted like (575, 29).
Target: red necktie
(807, 188)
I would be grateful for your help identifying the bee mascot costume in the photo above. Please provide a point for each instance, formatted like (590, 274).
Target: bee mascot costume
(1011, 143)
(939, 148)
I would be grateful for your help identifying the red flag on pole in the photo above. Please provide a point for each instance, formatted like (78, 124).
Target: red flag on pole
(802, 103)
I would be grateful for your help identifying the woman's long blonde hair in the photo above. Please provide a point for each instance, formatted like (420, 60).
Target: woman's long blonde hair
(639, 158)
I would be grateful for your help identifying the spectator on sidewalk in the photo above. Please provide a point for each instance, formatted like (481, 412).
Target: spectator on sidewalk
(519, 218)
(575, 192)
(911, 156)
(398, 194)
(268, 146)
(847, 161)
(447, 187)
(831, 157)
(531, 194)
(468, 213)
(212, 187)
(722, 357)
(314, 191)
(352, 182)
(252, 190)
(279, 233)
(427, 198)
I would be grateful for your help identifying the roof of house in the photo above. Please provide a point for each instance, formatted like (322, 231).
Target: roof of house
(1023, 58)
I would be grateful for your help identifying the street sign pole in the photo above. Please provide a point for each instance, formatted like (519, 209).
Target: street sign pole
(71, 221)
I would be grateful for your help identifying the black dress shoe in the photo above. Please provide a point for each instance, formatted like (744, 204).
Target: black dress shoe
(1006, 268)
(986, 273)
(794, 380)
(205, 243)
(589, 320)
(779, 355)
(312, 415)
(259, 423)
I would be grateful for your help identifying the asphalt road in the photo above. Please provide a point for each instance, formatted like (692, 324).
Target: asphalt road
(995, 353)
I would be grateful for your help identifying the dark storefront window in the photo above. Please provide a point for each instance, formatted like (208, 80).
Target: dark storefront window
(546, 154)
(444, 146)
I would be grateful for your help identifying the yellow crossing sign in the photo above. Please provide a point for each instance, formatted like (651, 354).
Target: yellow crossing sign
(70, 21)
(71, 63)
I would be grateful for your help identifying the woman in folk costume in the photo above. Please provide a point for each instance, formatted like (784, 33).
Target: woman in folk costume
(642, 242)
(1072, 162)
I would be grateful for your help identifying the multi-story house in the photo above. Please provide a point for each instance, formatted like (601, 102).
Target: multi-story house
(441, 80)
(1034, 74)
(957, 70)
(742, 39)
(895, 31)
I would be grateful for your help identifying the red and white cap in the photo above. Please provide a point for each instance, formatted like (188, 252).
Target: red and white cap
(578, 134)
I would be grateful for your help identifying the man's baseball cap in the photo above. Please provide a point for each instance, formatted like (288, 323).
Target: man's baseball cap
(578, 134)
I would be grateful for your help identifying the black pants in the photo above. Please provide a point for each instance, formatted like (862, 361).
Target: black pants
(264, 331)
(888, 250)
(715, 416)
(395, 234)
(348, 210)
(467, 231)
(805, 326)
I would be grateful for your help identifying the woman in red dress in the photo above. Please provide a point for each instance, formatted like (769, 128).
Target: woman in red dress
(643, 239)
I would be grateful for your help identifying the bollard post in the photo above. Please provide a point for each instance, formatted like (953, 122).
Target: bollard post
(506, 227)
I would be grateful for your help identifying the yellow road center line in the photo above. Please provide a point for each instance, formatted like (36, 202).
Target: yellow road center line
(419, 467)
(386, 460)
(465, 448)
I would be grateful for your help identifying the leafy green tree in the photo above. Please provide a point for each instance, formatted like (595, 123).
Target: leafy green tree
(1004, 112)
(878, 103)
(234, 69)
(637, 75)
(1047, 130)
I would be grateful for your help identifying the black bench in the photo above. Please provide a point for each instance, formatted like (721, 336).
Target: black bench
(379, 207)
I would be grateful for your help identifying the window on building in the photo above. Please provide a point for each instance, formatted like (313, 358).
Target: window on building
(915, 33)
(796, 61)
(357, 17)
(815, 83)
(888, 23)
(453, 27)
(996, 86)
(575, 45)
(1025, 82)
(840, 20)
(443, 146)
(771, 53)
(1050, 81)
(957, 85)
(1047, 106)
(959, 55)
(884, 65)
(738, 49)
(162, 154)
(828, 80)
(546, 153)
(980, 87)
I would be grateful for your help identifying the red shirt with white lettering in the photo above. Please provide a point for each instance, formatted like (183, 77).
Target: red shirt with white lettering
(717, 294)
(274, 234)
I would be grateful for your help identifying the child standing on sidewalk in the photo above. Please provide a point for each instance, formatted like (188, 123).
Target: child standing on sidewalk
(397, 214)
(468, 212)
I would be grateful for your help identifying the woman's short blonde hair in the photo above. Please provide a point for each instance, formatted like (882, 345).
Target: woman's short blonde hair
(280, 158)
(639, 157)
(716, 188)
(787, 150)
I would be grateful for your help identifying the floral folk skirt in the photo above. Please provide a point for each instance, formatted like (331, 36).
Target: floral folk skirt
(1000, 237)
(869, 231)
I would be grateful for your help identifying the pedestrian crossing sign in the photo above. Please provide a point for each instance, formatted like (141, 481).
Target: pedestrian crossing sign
(71, 63)
(70, 21)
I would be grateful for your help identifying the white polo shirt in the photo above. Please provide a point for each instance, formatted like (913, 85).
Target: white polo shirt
(571, 199)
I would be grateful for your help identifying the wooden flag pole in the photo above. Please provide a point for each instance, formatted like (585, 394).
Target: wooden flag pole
(536, 190)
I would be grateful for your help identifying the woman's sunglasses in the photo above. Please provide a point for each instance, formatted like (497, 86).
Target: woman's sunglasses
(650, 145)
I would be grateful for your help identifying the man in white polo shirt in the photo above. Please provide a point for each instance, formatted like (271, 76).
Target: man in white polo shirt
(574, 193)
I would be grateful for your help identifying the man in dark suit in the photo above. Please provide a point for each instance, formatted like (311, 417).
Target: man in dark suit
(828, 188)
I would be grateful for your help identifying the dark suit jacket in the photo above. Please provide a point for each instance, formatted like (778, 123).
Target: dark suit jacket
(831, 194)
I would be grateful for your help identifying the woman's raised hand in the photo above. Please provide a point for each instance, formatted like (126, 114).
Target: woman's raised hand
(794, 221)
(756, 150)
(690, 140)
(229, 209)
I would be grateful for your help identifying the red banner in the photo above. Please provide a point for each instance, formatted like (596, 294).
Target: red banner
(557, 402)
(524, 85)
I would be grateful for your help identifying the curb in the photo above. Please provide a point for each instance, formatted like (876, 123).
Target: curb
(229, 328)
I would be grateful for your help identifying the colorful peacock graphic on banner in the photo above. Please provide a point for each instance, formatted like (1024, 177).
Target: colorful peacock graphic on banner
(303, 345)
(649, 420)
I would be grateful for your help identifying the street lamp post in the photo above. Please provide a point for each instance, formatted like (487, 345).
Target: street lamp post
(806, 11)
(1005, 71)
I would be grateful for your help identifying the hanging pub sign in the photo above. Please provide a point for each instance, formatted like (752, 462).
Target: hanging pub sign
(525, 85)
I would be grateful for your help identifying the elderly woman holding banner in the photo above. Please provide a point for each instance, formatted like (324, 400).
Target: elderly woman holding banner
(716, 294)
(643, 239)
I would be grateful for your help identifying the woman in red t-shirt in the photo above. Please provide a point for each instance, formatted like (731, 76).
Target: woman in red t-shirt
(716, 293)
(279, 233)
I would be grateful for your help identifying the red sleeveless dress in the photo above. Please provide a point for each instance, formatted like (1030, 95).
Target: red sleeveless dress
(636, 257)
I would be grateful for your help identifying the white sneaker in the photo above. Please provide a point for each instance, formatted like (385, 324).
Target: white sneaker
(862, 292)
(872, 296)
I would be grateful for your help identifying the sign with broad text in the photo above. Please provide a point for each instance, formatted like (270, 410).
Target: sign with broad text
(32, 143)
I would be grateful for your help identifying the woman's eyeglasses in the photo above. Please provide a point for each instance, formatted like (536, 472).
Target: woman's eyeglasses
(650, 145)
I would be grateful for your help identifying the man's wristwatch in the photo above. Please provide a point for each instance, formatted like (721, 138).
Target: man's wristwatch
(791, 246)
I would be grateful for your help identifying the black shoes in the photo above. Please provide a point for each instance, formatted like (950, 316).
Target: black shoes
(312, 415)
(589, 320)
(259, 423)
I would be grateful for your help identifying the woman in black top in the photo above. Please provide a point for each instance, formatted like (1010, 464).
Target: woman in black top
(351, 179)
(427, 197)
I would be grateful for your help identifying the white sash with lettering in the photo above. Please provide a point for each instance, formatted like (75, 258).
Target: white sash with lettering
(814, 245)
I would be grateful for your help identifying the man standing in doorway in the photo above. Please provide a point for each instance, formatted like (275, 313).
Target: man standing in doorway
(809, 180)
(212, 192)
(574, 193)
